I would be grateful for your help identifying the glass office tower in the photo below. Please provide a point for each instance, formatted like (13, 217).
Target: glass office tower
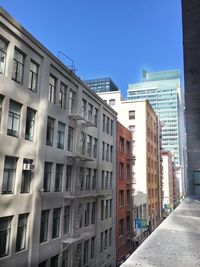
(102, 85)
(163, 90)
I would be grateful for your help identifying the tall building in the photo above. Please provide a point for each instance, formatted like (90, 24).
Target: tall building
(140, 118)
(191, 43)
(163, 90)
(102, 85)
(54, 148)
(124, 204)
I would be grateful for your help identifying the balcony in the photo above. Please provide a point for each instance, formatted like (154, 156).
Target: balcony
(175, 242)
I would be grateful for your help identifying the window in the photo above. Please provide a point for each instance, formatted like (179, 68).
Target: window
(131, 114)
(111, 102)
(107, 180)
(26, 178)
(121, 198)
(44, 226)
(52, 89)
(102, 209)
(63, 96)
(92, 247)
(87, 214)
(3, 54)
(110, 208)
(84, 108)
(106, 239)
(93, 213)
(70, 139)
(90, 112)
(18, 66)
(102, 179)
(58, 178)
(66, 220)
(86, 251)
(111, 153)
(104, 122)
(107, 125)
(68, 177)
(43, 264)
(128, 197)
(94, 179)
(9, 175)
(96, 117)
(128, 172)
(88, 178)
(132, 128)
(33, 77)
(21, 232)
(56, 223)
(103, 150)
(128, 148)
(110, 237)
(128, 224)
(61, 135)
(54, 261)
(47, 176)
(121, 145)
(72, 96)
(111, 127)
(50, 129)
(30, 124)
(14, 118)
(121, 170)
(106, 209)
(101, 241)
(89, 146)
(121, 228)
(107, 152)
(82, 143)
(1, 102)
(81, 177)
(111, 177)
(5, 228)
(65, 258)
(95, 148)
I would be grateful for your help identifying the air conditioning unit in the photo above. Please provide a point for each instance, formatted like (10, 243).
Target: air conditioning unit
(28, 167)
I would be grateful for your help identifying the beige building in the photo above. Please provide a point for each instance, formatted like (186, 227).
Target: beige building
(140, 118)
(54, 148)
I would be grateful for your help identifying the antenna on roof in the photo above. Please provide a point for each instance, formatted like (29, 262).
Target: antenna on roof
(71, 66)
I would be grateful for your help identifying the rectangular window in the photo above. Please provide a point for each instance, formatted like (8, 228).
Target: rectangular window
(106, 209)
(128, 148)
(128, 224)
(111, 127)
(52, 89)
(94, 179)
(102, 209)
(66, 220)
(5, 228)
(107, 152)
(1, 104)
(30, 124)
(87, 214)
(43, 264)
(44, 226)
(86, 251)
(84, 108)
(89, 146)
(68, 178)
(70, 139)
(82, 177)
(61, 135)
(56, 223)
(3, 54)
(92, 247)
(111, 153)
(21, 232)
(121, 145)
(128, 172)
(50, 130)
(107, 125)
(72, 96)
(87, 178)
(103, 150)
(58, 178)
(111, 102)
(18, 66)
(90, 112)
(132, 128)
(26, 178)
(47, 176)
(101, 241)
(110, 210)
(63, 96)
(107, 180)
(121, 228)
(96, 117)
(104, 122)
(65, 258)
(54, 261)
(106, 240)
(33, 77)
(9, 175)
(95, 148)
(93, 213)
(131, 114)
(121, 170)
(110, 237)
(111, 178)
(102, 179)
(14, 118)
(121, 198)
(128, 197)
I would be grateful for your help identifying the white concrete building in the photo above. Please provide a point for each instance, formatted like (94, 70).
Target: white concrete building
(140, 118)
(53, 149)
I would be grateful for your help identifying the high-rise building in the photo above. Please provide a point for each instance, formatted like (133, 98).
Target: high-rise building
(163, 90)
(102, 85)
(53, 150)
(191, 43)
(140, 118)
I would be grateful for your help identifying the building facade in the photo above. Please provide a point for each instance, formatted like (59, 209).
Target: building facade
(139, 117)
(191, 45)
(163, 90)
(102, 85)
(54, 210)
(124, 200)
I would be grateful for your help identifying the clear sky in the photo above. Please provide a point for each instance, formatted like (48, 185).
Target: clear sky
(107, 38)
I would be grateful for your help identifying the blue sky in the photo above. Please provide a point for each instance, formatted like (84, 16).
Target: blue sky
(112, 38)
